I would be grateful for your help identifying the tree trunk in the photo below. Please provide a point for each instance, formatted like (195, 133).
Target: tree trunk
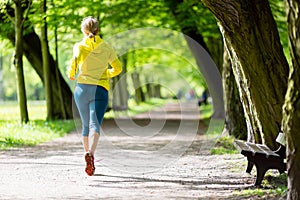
(46, 66)
(291, 116)
(57, 74)
(235, 122)
(139, 94)
(259, 65)
(1, 78)
(18, 62)
(157, 91)
(120, 93)
(32, 50)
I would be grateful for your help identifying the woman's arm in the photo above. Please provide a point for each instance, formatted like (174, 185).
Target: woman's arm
(116, 68)
(72, 70)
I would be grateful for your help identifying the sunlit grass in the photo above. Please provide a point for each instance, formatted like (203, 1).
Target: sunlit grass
(224, 145)
(206, 111)
(11, 111)
(15, 134)
(272, 187)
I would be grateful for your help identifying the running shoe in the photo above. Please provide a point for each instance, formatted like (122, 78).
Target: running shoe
(90, 167)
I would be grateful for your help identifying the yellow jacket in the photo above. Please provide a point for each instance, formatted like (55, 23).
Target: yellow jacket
(90, 62)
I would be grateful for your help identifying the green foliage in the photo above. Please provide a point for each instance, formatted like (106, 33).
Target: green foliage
(279, 14)
(206, 111)
(14, 134)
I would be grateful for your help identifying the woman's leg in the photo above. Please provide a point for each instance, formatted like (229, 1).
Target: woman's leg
(82, 103)
(97, 111)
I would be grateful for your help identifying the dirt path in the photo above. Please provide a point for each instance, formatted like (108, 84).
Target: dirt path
(159, 158)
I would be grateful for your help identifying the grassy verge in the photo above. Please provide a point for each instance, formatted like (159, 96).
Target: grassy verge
(224, 145)
(15, 134)
(274, 186)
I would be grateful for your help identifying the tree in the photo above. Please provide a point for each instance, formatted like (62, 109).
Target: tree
(291, 117)
(45, 58)
(18, 57)
(259, 65)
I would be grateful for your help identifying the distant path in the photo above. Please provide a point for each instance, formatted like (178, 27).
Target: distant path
(55, 170)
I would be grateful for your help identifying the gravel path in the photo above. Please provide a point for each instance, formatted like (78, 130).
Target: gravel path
(134, 161)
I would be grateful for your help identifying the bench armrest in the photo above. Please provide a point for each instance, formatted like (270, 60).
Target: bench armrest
(281, 139)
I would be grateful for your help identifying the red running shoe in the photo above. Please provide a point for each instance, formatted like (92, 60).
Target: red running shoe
(90, 167)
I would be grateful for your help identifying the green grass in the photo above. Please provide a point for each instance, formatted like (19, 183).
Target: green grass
(206, 111)
(10, 110)
(224, 145)
(15, 134)
(273, 186)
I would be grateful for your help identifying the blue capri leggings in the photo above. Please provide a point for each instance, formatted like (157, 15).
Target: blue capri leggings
(91, 101)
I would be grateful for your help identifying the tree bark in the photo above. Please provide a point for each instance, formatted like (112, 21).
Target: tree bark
(235, 122)
(18, 61)
(259, 65)
(291, 116)
(46, 66)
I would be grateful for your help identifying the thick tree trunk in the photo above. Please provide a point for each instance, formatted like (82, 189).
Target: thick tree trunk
(18, 62)
(235, 122)
(46, 66)
(291, 116)
(259, 65)
(32, 50)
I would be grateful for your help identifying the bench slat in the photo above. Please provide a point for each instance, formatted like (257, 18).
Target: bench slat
(254, 148)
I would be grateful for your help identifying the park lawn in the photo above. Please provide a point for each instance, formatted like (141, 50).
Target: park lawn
(15, 134)
(38, 130)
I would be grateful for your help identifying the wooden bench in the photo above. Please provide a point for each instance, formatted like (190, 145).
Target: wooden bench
(262, 157)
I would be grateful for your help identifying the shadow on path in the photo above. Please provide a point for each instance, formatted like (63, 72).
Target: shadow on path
(167, 141)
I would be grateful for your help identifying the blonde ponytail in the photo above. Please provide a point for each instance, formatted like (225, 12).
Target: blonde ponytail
(89, 25)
